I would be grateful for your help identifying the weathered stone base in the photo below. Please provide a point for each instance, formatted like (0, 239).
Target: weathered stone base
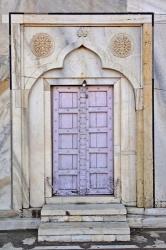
(146, 218)
(83, 223)
(84, 231)
(19, 223)
(136, 218)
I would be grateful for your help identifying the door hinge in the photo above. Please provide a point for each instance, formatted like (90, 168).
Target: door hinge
(48, 182)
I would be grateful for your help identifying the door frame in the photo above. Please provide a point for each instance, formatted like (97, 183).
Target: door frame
(120, 177)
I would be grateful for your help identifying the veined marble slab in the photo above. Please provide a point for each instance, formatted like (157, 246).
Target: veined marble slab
(160, 113)
(158, 7)
(63, 6)
(5, 160)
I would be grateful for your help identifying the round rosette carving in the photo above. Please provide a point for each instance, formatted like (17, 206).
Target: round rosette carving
(121, 45)
(42, 45)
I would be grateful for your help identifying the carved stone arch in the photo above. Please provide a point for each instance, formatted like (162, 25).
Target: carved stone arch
(42, 97)
(106, 63)
(137, 91)
(76, 45)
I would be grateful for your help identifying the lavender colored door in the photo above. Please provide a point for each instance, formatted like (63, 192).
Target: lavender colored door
(65, 140)
(99, 150)
(82, 140)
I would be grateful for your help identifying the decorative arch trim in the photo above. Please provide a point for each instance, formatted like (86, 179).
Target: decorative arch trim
(58, 63)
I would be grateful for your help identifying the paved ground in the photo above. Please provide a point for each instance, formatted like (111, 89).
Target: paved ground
(27, 239)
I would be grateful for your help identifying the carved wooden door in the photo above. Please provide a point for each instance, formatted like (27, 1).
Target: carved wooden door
(82, 140)
(99, 150)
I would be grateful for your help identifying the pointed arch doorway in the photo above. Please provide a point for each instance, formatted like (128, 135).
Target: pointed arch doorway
(88, 127)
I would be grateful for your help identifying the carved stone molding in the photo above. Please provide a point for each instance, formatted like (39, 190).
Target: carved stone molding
(42, 45)
(121, 45)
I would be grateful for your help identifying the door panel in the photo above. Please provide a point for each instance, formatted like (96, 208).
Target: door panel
(97, 120)
(82, 140)
(68, 121)
(65, 140)
(68, 141)
(97, 98)
(68, 161)
(100, 153)
(98, 140)
(98, 160)
(68, 100)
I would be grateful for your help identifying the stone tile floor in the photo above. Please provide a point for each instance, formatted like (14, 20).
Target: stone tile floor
(27, 239)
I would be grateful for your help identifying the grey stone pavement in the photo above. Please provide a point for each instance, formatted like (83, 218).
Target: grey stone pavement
(27, 239)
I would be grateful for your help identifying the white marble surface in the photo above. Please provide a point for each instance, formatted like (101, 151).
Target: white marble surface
(158, 7)
(19, 223)
(160, 113)
(98, 41)
(63, 6)
(5, 159)
(36, 144)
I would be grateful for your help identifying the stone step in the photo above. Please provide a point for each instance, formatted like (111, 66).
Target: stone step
(79, 218)
(84, 231)
(83, 210)
(82, 199)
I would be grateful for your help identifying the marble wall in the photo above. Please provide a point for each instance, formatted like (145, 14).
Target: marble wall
(159, 7)
(7, 6)
(5, 170)
(160, 113)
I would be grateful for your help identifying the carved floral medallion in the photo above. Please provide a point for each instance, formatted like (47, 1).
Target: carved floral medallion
(42, 45)
(121, 45)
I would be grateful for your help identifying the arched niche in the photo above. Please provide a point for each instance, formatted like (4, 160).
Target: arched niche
(103, 60)
(79, 64)
(83, 62)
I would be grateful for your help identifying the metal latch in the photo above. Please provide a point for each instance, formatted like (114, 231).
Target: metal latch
(48, 182)
(74, 191)
(84, 83)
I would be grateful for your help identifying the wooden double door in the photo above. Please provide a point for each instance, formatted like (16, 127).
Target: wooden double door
(82, 119)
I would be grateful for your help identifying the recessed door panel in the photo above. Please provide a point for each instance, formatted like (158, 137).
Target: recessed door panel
(65, 140)
(100, 151)
(82, 140)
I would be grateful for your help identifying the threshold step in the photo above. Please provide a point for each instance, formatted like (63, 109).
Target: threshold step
(82, 199)
(82, 209)
(79, 218)
(84, 231)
